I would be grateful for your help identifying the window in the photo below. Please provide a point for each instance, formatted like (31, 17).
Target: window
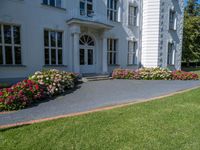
(171, 54)
(172, 20)
(10, 45)
(53, 3)
(112, 11)
(86, 8)
(112, 51)
(132, 52)
(53, 48)
(133, 11)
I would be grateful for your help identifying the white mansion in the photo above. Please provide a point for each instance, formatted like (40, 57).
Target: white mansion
(89, 36)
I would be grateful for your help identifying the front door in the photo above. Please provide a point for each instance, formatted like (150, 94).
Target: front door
(87, 54)
(87, 62)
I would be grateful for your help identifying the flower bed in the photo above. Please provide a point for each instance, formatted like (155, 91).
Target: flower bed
(20, 95)
(153, 74)
(54, 81)
(38, 87)
(182, 75)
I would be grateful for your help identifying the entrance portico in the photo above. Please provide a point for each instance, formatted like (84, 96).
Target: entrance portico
(89, 46)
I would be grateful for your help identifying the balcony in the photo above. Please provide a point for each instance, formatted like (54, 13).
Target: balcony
(89, 18)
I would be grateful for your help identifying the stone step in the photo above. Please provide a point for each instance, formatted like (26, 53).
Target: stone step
(96, 78)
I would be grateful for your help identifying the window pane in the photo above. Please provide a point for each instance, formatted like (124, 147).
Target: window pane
(0, 35)
(82, 8)
(46, 38)
(110, 62)
(45, 2)
(90, 57)
(53, 56)
(16, 31)
(46, 56)
(7, 34)
(115, 45)
(82, 57)
(8, 52)
(52, 2)
(111, 15)
(60, 58)
(115, 57)
(59, 36)
(115, 16)
(53, 39)
(115, 4)
(111, 4)
(1, 55)
(89, 9)
(58, 3)
(18, 55)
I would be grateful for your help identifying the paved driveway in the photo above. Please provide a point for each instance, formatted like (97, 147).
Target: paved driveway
(92, 95)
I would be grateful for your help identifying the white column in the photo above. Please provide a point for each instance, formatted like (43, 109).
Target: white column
(104, 57)
(76, 62)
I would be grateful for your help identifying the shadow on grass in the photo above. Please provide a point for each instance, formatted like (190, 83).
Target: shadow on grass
(12, 128)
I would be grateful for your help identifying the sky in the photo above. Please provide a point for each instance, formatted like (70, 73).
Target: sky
(187, 0)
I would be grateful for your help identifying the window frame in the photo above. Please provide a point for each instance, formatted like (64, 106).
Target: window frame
(50, 47)
(132, 52)
(112, 51)
(171, 54)
(113, 11)
(85, 10)
(13, 45)
(172, 19)
(55, 3)
(133, 15)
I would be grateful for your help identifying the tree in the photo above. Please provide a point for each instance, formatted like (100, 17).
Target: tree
(192, 7)
(191, 33)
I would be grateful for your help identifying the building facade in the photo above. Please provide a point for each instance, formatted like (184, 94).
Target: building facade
(89, 36)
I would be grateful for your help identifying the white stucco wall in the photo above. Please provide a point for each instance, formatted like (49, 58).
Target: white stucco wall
(33, 17)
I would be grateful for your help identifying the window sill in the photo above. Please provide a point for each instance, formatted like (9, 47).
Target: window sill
(114, 22)
(133, 26)
(170, 65)
(54, 7)
(172, 29)
(56, 66)
(12, 66)
(115, 65)
(133, 65)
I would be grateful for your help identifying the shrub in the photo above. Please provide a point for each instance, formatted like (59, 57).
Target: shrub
(182, 75)
(125, 74)
(154, 74)
(55, 81)
(20, 95)
(142, 74)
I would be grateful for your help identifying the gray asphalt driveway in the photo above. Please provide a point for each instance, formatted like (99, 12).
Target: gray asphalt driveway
(92, 95)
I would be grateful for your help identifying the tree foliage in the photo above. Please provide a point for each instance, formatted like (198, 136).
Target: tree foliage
(191, 35)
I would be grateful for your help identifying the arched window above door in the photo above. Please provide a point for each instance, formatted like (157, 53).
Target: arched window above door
(86, 40)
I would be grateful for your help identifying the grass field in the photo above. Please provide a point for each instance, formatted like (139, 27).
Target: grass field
(167, 124)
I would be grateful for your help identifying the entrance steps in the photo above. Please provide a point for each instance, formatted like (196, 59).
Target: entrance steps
(95, 77)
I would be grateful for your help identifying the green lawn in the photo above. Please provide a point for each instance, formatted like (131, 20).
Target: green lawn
(167, 124)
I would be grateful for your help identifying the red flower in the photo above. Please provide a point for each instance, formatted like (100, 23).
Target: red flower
(37, 87)
(1, 93)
